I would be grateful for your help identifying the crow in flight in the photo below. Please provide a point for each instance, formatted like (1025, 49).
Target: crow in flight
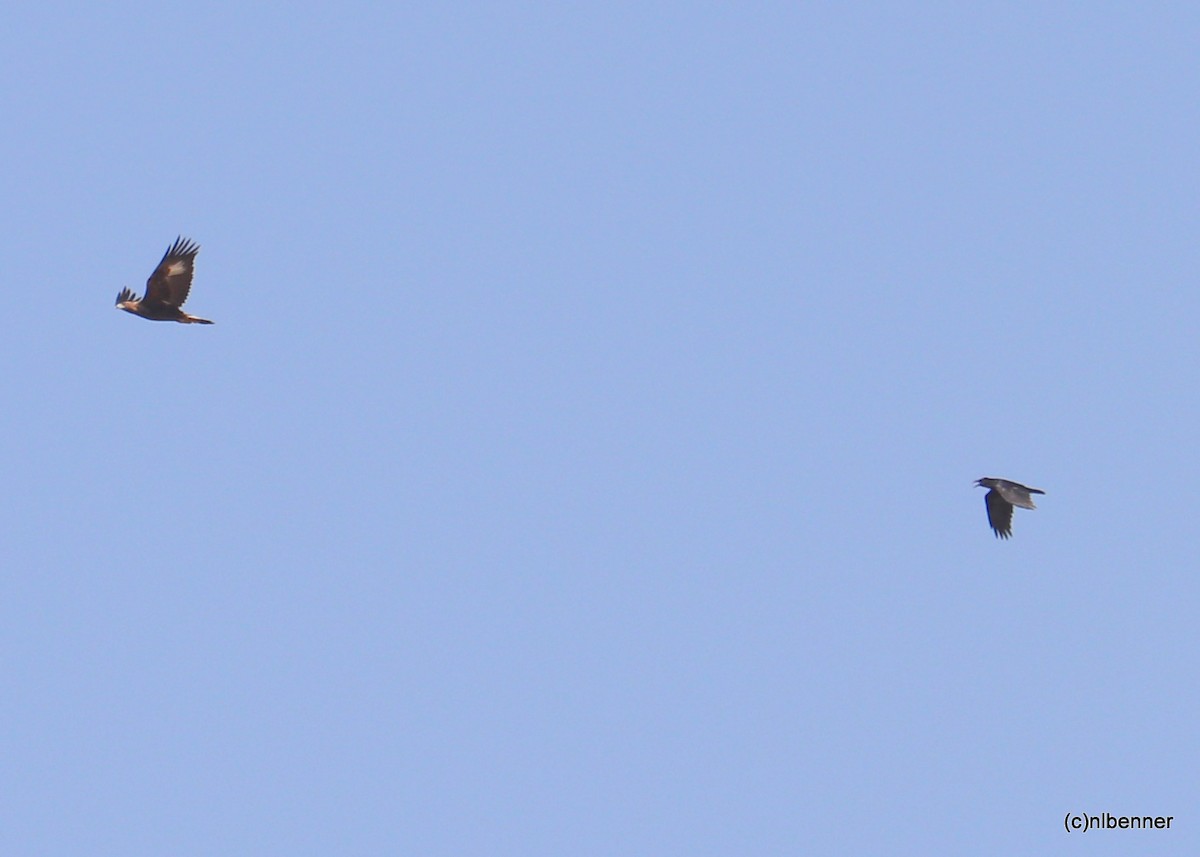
(1001, 499)
(167, 288)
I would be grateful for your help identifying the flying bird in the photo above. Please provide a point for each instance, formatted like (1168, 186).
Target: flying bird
(1001, 499)
(167, 288)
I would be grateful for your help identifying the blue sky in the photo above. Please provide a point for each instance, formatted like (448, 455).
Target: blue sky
(582, 458)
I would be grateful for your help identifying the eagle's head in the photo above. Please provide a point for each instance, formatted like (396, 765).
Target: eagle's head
(126, 300)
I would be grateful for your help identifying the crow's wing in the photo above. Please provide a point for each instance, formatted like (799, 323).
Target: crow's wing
(1017, 494)
(999, 513)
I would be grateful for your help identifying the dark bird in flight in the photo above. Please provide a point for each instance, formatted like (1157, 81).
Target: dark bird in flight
(167, 288)
(1001, 499)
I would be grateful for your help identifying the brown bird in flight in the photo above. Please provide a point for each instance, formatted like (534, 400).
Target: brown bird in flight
(167, 288)
(1001, 499)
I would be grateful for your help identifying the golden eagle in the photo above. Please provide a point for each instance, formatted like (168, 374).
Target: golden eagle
(167, 288)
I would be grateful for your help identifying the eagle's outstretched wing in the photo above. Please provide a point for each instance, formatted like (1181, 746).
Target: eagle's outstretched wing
(172, 279)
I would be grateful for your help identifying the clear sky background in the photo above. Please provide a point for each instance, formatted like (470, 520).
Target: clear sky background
(581, 462)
